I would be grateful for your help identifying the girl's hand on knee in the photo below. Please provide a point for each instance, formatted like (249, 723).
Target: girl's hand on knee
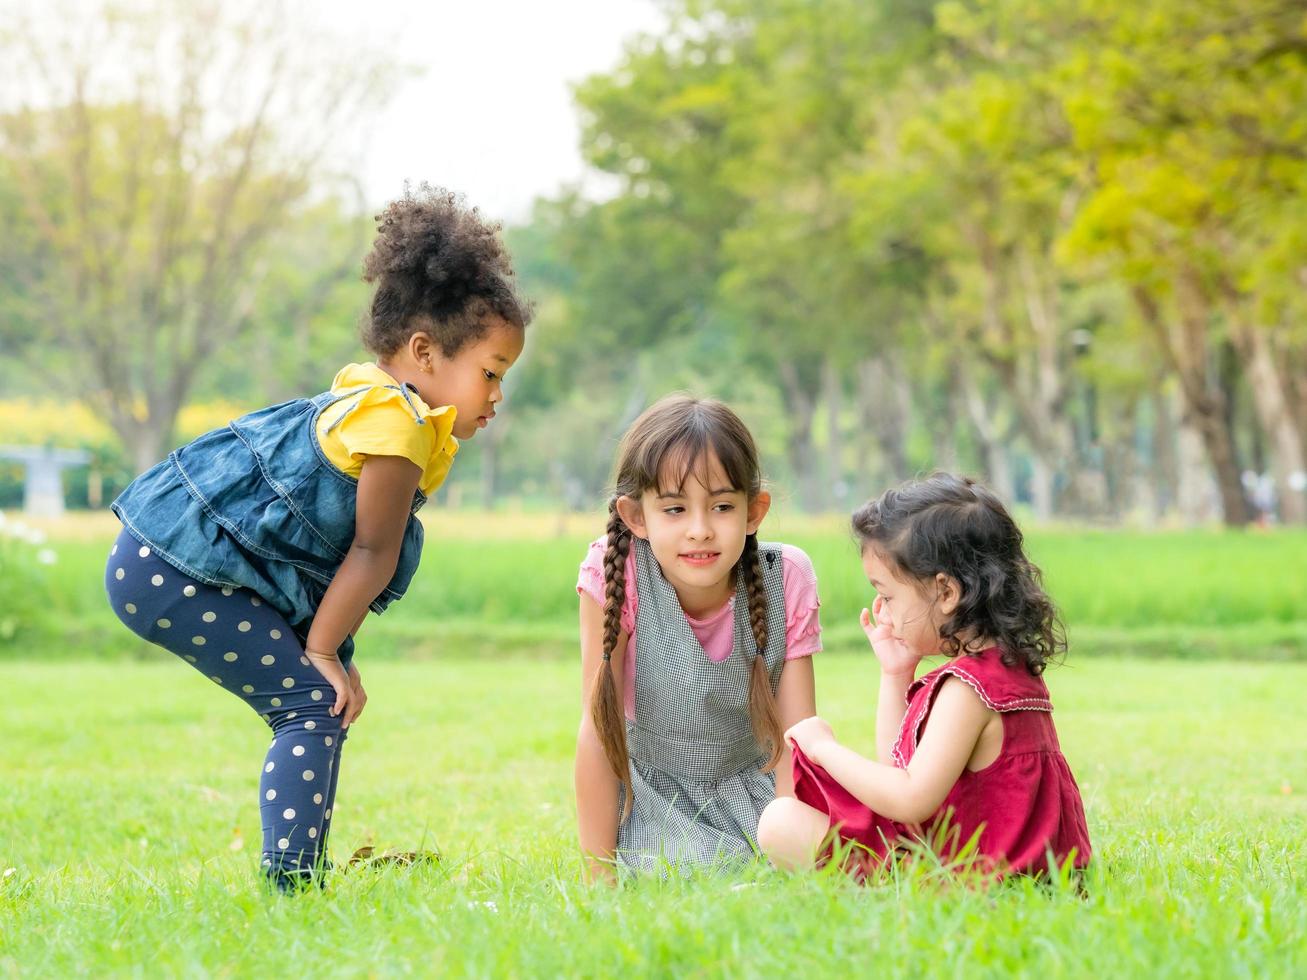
(330, 667)
(360, 696)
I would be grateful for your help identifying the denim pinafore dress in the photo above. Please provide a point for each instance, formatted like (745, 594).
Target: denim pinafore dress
(695, 764)
(257, 505)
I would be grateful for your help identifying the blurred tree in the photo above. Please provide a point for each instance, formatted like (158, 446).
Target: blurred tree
(158, 151)
(963, 193)
(308, 305)
(1194, 118)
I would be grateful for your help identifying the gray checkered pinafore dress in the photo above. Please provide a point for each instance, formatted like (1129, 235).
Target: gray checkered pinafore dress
(695, 765)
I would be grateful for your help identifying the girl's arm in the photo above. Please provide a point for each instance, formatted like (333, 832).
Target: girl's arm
(596, 786)
(898, 666)
(796, 699)
(910, 795)
(891, 706)
(385, 495)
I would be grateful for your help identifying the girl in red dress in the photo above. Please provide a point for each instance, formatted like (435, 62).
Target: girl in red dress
(968, 751)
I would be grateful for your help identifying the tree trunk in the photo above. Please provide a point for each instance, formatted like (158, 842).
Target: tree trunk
(1188, 354)
(1031, 371)
(146, 443)
(1276, 419)
(1210, 421)
(1197, 498)
(1294, 373)
(884, 410)
(801, 405)
(1120, 483)
(993, 447)
(837, 491)
(1048, 435)
(1163, 464)
(145, 439)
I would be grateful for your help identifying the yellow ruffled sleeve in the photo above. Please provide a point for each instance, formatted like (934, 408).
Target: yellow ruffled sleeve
(382, 421)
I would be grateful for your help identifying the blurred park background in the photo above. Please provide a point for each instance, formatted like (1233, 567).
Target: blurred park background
(1061, 245)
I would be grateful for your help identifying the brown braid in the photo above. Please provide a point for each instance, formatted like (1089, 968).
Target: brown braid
(764, 717)
(605, 705)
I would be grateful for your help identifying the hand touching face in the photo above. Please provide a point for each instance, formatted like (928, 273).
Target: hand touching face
(907, 613)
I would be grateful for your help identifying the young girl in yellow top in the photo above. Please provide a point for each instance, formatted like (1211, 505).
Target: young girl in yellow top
(255, 552)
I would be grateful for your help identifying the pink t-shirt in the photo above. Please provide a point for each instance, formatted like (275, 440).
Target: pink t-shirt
(716, 633)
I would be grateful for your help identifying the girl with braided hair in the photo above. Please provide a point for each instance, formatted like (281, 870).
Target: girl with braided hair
(255, 552)
(696, 642)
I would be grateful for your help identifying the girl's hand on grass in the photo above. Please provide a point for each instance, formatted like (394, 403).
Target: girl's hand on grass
(809, 735)
(599, 872)
(330, 667)
(894, 655)
(360, 698)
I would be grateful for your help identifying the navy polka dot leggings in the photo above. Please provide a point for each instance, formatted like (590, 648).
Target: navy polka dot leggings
(240, 643)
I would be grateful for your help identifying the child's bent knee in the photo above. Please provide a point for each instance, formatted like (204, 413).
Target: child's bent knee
(777, 817)
(789, 832)
(315, 718)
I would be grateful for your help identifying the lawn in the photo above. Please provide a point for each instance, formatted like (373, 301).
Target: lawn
(503, 582)
(129, 825)
(129, 821)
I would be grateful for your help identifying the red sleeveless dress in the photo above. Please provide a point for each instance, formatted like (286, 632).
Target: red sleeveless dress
(1024, 805)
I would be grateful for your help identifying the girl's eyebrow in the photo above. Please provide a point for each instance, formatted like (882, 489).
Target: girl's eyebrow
(671, 494)
(876, 585)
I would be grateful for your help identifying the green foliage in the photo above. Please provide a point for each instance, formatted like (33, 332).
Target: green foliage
(477, 594)
(158, 196)
(31, 601)
(305, 313)
(1048, 242)
(971, 195)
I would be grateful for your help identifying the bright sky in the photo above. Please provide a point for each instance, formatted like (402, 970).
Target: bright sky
(496, 89)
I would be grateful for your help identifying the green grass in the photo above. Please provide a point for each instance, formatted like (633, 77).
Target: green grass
(128, 814)
(491, 582)
(128, 818)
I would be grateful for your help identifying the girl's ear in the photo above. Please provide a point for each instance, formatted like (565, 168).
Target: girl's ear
(758, 508)
(948, 594)
(422, 349)
(632, 515)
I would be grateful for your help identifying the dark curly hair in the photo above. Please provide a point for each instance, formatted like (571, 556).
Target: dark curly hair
(954, 525)
(439, 267)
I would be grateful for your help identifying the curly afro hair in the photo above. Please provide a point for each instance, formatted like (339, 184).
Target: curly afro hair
(439, 267)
